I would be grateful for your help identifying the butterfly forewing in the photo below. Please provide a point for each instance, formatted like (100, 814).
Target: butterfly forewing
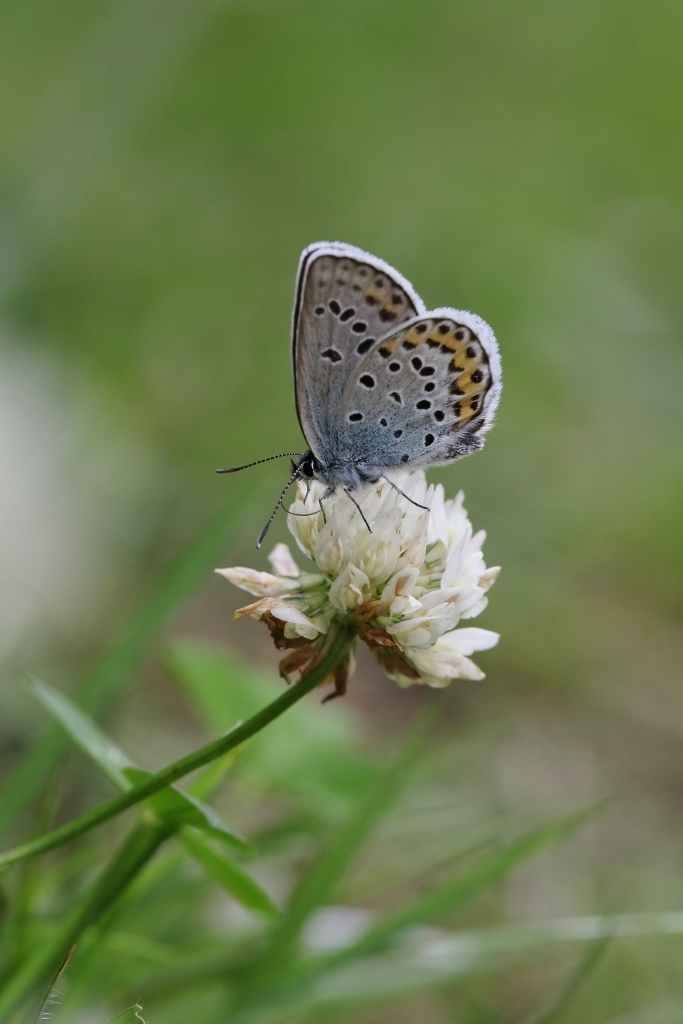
(346, 301)
(423, 395)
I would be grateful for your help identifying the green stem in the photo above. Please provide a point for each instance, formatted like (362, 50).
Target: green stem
(35, 972)
(335, 651)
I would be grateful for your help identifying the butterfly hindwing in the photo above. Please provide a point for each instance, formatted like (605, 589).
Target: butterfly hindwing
(423, 395)
(346, 301)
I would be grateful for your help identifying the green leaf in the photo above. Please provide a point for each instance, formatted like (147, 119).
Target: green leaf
(133, 1015)
(230, 875)
(85, 733)
(172, 805)
(315, 752)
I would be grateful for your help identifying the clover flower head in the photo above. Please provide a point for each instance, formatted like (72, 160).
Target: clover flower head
(404, 587)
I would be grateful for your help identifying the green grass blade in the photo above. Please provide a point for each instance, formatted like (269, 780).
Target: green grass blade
(35, 970)
(338, 970)
(441, 959)
(587, 964)
(227, 873)
(319, 882)
(133, 1015)
(109, 757)
(458, 891)
(118, 664)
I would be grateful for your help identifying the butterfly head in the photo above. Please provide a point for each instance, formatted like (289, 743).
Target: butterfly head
(308, 467)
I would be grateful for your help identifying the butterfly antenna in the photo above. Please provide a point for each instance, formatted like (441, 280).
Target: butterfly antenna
(398, 489)
(265, 529)
(236, 469)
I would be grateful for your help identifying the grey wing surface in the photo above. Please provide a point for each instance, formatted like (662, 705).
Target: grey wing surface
(424, 395)
(345, 301)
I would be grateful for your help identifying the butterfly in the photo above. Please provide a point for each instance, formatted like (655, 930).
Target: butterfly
(381, 383)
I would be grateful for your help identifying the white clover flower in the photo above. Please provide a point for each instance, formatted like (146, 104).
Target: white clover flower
(405, 586)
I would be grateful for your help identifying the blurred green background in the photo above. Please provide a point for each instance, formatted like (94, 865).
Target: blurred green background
(162, 164)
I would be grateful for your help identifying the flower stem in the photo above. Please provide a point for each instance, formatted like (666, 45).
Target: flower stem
(335, 651)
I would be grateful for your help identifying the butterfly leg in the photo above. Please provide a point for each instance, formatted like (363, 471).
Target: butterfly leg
(398, 489)
(348, 492)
